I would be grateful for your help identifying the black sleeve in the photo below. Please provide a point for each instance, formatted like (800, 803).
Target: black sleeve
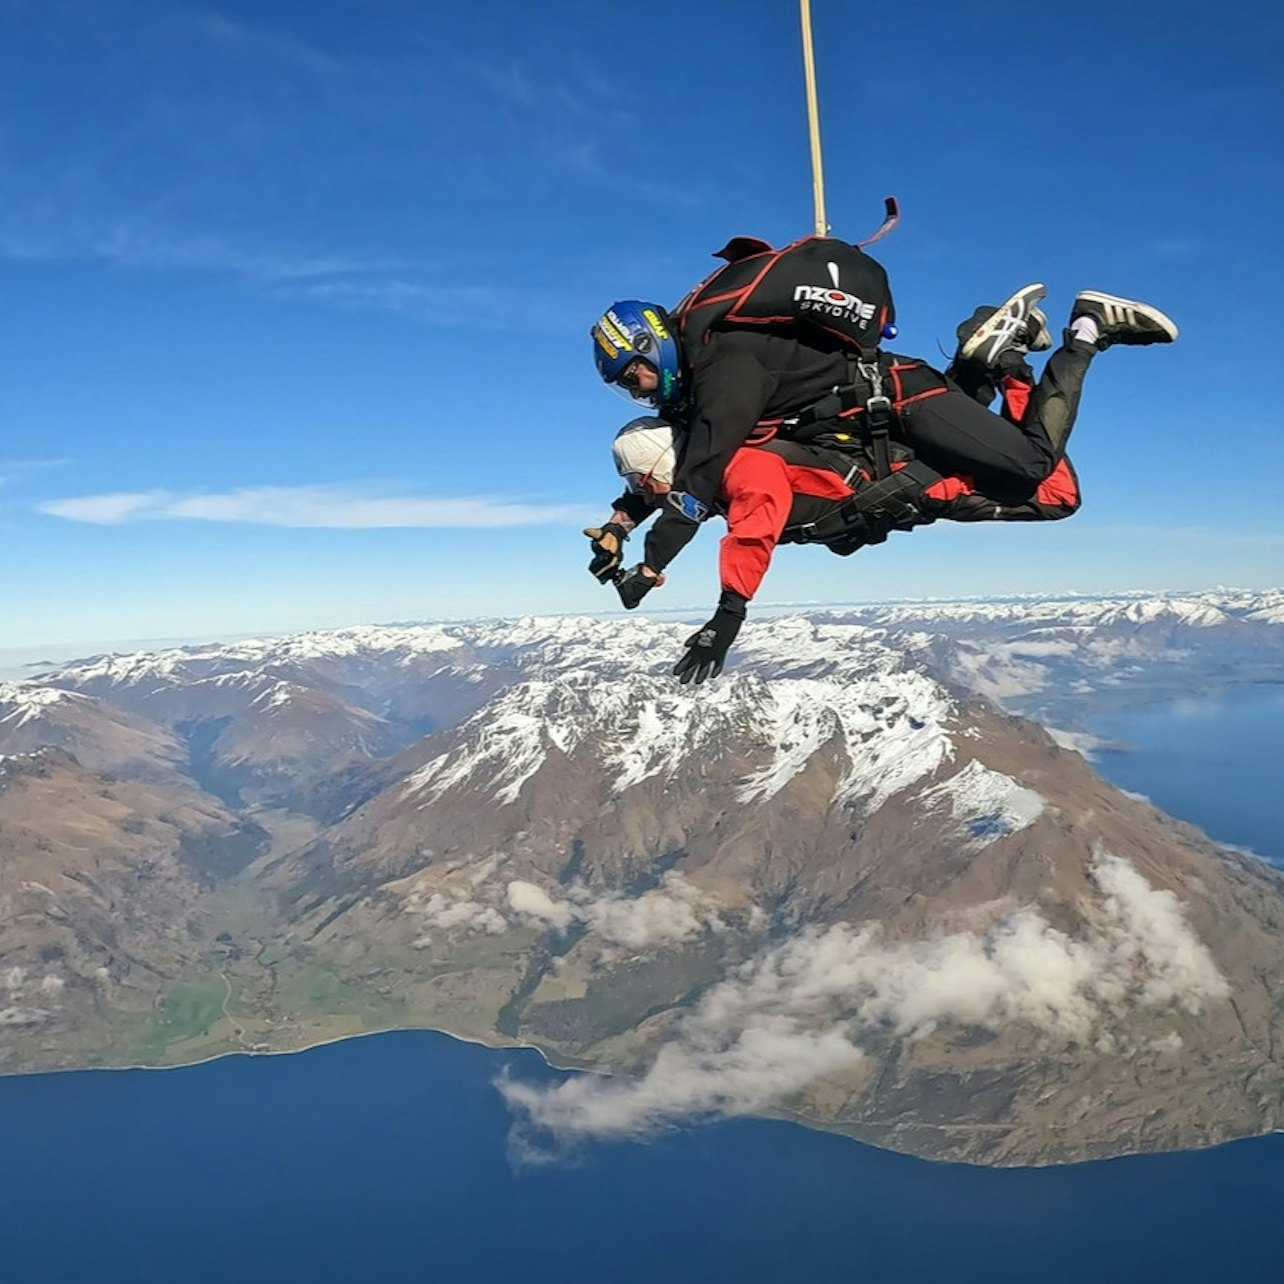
(637, 507)
(730, 390)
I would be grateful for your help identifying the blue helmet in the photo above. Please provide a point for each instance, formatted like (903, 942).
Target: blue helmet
(631, 331)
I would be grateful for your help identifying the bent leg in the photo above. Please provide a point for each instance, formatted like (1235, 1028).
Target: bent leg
(1055, 402)
(954, 434)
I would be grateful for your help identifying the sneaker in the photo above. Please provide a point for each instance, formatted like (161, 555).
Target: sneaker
(1122, 320)
(1037, 337)
(1015, 323)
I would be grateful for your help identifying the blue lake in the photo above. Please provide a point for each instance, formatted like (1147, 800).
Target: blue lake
(1217, 762)
(385, 1159)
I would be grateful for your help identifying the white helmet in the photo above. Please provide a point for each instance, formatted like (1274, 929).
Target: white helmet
(644, 450)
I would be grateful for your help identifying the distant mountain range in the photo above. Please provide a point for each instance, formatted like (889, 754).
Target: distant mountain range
(844, 883)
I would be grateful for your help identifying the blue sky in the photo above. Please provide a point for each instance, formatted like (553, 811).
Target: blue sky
(296, 294)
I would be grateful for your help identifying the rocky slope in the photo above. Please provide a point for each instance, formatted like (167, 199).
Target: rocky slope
(102, 882)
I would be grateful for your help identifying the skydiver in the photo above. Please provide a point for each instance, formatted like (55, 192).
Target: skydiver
(724, 386)
(788, 491)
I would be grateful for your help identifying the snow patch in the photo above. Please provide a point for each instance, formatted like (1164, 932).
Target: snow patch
(986, 804)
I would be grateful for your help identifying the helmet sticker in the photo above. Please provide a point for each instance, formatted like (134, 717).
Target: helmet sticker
(652, 318)
(616, 331)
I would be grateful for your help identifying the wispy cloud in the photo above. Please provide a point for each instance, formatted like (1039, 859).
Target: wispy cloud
(574, 123)
(243, 39)
(134, 192)
(139, 242)
(480, 305)
(12, 470)
(332, 507)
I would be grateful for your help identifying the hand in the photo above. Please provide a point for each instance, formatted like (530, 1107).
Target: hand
(707, 649)
(607, 542)
(633, 585)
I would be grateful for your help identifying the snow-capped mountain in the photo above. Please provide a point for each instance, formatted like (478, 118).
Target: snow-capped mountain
(1061, 659)
(1030, 654)
(103, 736)
(270, 719)
(838, 882)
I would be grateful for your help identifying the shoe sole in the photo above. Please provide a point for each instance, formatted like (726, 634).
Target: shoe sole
(1002, 318)
(1166, 324)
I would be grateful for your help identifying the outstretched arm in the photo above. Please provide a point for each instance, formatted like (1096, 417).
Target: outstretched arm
(758, 495)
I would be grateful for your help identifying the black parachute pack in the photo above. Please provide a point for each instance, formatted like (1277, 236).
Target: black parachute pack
(818, 286)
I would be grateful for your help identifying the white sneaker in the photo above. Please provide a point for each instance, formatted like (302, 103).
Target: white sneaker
(1015, 323)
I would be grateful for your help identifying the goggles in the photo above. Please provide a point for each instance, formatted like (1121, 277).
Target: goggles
(630, 377)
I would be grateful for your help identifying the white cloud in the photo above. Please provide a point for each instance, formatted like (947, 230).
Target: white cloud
(670, 914)
(795, 1012)
(1150, 936)
(441, 912)
(451, 909)
(529, 901)
(107, 510)
(710, 1072)
(657, 918)
(334, 507)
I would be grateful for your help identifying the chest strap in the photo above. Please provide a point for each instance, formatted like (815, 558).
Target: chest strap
(864, 393)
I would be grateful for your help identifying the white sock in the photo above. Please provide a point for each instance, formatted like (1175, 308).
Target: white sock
(1085, 329)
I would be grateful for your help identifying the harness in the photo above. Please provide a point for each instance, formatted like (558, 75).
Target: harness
(887, 479)
(890, 503)
(863, 393)
(863, 404)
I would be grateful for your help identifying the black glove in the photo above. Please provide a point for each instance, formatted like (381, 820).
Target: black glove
(707, 649)
(633, 585)
(607, 543)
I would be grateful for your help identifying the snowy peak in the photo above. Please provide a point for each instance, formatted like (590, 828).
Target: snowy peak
(885, 718)
(22, 702)
(101, 736)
